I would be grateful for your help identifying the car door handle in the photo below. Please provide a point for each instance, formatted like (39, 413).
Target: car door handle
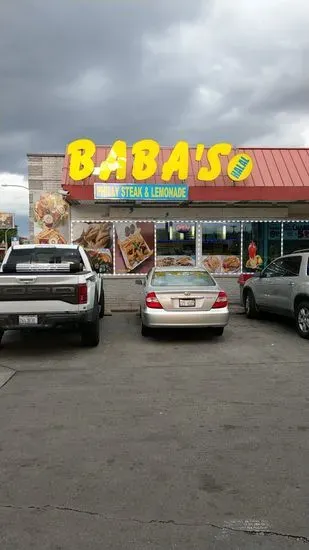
(291, 283)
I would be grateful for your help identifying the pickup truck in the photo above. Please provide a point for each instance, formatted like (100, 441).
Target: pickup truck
(45, 286)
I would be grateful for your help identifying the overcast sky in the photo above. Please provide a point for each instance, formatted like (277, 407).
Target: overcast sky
(199, 70)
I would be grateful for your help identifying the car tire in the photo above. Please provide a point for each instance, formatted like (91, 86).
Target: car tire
(90, 333)
(102, 304)
(218, 331)
(302, 319)
(251, 309)
(1, 335)
(145, 331)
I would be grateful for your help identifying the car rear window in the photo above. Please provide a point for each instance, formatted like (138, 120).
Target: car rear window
(44, 256)
(182, 278)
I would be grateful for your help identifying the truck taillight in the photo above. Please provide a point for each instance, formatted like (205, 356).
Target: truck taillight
(152, 301)
(221, 300)
(82, 294)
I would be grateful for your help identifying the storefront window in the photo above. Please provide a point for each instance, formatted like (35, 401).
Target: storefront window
(221, 247)
(176, 244)
(261, 244)
(295, 236)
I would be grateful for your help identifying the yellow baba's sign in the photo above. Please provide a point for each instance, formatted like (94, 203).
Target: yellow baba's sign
(145, 153)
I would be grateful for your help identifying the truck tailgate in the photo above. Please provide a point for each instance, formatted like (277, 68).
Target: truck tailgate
(37, 293)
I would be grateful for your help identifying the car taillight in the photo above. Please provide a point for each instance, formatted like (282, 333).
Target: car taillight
(221, 300)
(82, 294)
(152, 301)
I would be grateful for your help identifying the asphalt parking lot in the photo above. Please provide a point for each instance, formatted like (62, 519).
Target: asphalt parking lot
(179, 441)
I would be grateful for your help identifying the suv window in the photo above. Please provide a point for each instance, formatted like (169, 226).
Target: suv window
(273, 269)
(283, 267)
(291, 266)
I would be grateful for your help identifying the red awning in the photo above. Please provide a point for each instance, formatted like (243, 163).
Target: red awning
(278, 175)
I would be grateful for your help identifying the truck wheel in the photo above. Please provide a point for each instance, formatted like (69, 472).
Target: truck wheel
(250, 305)
(302, 319)
(90, 333)
(102, 304)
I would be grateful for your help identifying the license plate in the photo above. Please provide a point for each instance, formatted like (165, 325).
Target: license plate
(186, 303)
(28, 319)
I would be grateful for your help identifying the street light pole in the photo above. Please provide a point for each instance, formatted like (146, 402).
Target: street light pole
(11, 185)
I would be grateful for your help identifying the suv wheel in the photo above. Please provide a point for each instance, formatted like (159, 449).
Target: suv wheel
(250, 305)
(102, 304)
(302, 319)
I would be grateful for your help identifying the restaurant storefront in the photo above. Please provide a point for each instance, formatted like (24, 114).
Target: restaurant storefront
(229, 227)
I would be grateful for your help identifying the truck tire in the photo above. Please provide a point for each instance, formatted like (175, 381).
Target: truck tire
(90, 333)
(302, 319)
(102, 304)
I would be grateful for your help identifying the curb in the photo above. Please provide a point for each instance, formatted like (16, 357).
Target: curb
(5, 375)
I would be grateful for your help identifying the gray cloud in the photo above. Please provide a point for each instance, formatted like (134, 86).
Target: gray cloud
(205, 71)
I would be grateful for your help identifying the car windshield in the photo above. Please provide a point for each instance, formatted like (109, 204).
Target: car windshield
(44, 256)
(182, 278)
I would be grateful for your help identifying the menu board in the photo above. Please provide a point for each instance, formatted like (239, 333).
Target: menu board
(97, 240)
(221, 264)
(51, 218)
(134, 250)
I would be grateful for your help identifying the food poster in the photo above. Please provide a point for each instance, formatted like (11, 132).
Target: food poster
(253, 261)
(97, 240)
(222, 264)
(134, 250)
(51, 218)
(175, 261)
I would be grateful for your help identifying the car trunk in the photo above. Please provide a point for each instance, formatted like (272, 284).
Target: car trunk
(180, 299)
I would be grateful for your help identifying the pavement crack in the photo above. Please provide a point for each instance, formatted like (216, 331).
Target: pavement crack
(251, 532)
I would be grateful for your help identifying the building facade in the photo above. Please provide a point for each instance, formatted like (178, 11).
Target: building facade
(229, 227)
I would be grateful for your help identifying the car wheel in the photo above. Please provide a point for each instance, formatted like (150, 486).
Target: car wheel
(1, 335)
(145, 331)
(218, 331)
(302, 319)
(90, 333)
(250, 305)
(102, 304)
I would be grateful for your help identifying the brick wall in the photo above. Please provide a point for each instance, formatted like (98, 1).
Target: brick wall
(123, 294)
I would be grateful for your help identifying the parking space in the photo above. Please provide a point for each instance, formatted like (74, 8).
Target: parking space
(181, 440)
